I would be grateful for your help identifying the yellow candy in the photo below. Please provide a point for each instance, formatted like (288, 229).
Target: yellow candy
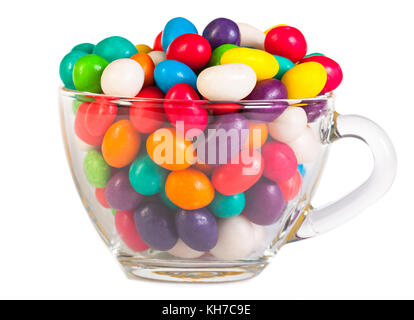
(305, 80)
(143, 48)
(278, 25)
(263, 63)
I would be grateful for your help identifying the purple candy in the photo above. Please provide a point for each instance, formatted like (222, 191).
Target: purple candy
(197, 228)
(120, 194)
(264, 203)
(314, 110)
(224, 139)
(156, 226)
(271, 89)
(222, 31)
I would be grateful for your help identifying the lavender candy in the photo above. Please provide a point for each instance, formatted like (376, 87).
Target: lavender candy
(120, 194)
(314, 109)
(156, 226)
(264, 203)
(222, 31)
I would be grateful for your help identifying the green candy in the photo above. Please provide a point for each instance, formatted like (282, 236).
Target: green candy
(97, 171)
(146, 177)
(113, 212)
(87, 73)
(218, 53)
(79, 99)
(66, 68)
(114, 48)
(284, 65)
(227, 206)
(75, 106)
(85, 47)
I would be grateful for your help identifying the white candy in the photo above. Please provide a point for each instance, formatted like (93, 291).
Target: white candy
(83, 146)
(289, 126)
(157, 56)
(236, 239)
(259, 235)
(181, 250)
(251, 36)
(306, 147)
(231, 82)
(123, 78)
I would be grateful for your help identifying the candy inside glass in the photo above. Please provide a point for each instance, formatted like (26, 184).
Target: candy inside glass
(240, 239)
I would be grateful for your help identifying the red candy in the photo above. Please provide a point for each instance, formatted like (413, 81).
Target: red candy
(333, 71)
(190, 49)
(125, 226)
(290, 188)
(192, 114)
(223, 108)
(287, 42)
(81, 128)
(99, 117)
(280, 161)
(147, 116)
(100, 196)
(230, 179)
(157, 43)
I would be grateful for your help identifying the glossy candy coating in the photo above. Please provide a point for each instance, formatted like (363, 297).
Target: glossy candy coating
(168, 73)
(66, 68)
(114, 48)
(121, 144)
(167, 201)
(157, 56)
(287, 42)
(227, 206)
(280, 161)
(306, 146)
(120, 194)
(217, 53)
(170, 150)
(100, 196)
(147, 116)
(80, 126)
(85, 47)
(147, 65)
(258, 133)
(158, 43)
(235, 178)
(186, 115)
(181, 250)
(333, 70)
(305, 80)
(123, 78)
(156, 226)
(96, 170)
(315, 109)
(289, 126)
(251, 36)
(222, 31)
(190, 49)
(230, 82)
(189, 189)
(143, 48)
(284, 65)
(264, 203)
(87, 73)
(175, 28)
(223, 108)
(271, 89)
(290, 188)
(197, 228)
(127, 231)
(264, 64)
(100, 115)
(146, 177)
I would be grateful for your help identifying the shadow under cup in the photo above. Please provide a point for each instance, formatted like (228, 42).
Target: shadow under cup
(154, 233)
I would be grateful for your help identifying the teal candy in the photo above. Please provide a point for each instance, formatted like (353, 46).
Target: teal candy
(66, 68)
(146, 177)
(313, 54)
(284, 65)
(84, 47)
(166, 200)
(227, 206)
(114, 48)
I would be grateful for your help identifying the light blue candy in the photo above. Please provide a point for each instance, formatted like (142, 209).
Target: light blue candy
(66, 68)
(85, 47)
(301, 170)
(168, 73)
(175, 28)
(227, 206)
(284, 65)
(146, 177)
(114, 48)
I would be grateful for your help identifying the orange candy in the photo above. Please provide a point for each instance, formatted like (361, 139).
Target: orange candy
(169, 150)
(258, 133)
(189, 189)
(121, 144)
(147, 65)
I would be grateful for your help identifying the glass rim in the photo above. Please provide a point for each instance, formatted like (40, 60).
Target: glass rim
(74, 93)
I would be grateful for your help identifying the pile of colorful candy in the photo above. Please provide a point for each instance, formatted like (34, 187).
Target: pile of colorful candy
(193, 166)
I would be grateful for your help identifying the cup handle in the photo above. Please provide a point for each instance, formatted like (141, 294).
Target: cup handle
(320, 220)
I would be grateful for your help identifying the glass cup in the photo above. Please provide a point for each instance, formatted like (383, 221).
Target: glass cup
(219, 198)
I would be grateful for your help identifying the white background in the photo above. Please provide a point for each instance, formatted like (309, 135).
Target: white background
(48, 247)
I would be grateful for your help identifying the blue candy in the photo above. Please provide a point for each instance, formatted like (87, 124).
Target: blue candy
(66, 68)
(114, 48)
(175, 28)
(170, 72)
(301, 170)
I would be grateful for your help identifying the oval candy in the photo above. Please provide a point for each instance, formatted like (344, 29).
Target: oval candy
(251, 36)
(222, 31)
(168, 73)
(175, 28)
(127, 231)
(114, 48)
